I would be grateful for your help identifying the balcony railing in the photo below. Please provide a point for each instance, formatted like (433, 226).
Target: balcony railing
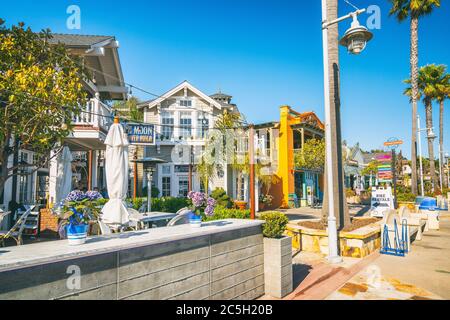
(95, 114)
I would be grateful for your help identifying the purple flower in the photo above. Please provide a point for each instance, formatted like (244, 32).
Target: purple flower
(75, 195)
(93, 195)
(198, 198)
(211, 202)
(209, 210)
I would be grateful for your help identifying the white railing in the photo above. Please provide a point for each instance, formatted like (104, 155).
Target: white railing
(95, 114)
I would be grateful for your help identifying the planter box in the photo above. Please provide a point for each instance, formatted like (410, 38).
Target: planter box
(278, 266)
(354, 200)
(357, 244)
(410, 205)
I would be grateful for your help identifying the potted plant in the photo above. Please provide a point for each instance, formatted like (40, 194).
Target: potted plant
(78, 210)
(200, 202)
(241, 205)
(277, 255)
(265, 200)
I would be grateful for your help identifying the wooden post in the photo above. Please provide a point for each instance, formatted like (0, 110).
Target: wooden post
(251, 151)
(89, 186)
(135, 174)
(190, 171)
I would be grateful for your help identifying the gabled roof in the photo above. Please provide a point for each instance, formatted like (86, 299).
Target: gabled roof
(220, 95)
(101, 55)
(78, 39)
(184, 85)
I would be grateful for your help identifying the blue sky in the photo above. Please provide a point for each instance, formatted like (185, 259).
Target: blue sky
(264, 53)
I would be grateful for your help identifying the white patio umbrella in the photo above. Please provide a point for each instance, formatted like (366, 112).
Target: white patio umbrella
(116, 167)
(63, 175)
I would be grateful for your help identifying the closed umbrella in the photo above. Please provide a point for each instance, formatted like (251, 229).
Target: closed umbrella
(116, 167)
(63, 175)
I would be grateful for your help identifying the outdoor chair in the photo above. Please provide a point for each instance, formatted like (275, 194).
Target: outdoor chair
(182, 210)
(181, 218)
(104, 229)
(16, 231)
(135, 218)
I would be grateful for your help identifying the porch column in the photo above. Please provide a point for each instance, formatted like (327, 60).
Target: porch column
(94, 169)
(52, 173)
(286, 155)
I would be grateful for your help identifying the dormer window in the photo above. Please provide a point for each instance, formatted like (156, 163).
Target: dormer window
(185, 103)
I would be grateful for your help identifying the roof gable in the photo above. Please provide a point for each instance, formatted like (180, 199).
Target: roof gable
(174, 91)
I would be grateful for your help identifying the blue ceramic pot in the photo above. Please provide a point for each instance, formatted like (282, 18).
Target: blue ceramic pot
(76, 233)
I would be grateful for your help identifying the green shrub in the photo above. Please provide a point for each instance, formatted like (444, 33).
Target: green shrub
(274, 225)
(221, 213)
(165, 204)
(406, 197)
(169, 204)
(222, 198)
(155, 192)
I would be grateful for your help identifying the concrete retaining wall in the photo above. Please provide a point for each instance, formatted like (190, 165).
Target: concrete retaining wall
(225, 265)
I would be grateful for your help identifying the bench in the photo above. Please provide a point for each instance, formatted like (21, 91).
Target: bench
(415, 220)
(398, 229)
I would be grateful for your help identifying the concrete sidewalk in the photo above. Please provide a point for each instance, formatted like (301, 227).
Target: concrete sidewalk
(422, 273)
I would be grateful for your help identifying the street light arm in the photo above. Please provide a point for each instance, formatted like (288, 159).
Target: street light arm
(326, 24)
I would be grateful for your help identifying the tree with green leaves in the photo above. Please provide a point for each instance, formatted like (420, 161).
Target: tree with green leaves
(414, 9)
(41, 91)
(128, 110)
(311, 156)
(430, 78)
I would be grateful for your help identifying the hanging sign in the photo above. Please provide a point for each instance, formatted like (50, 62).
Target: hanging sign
(385, 167)
(141, 134)
(381, 200)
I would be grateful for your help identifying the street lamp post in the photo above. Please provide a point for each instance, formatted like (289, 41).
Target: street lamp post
(422, 188)
(355, 40)
(446, 156)
(430, 135)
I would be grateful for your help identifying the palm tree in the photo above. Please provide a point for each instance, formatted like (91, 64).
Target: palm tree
(443, 93)
(206, 171)
(414, 9)
(128, 109)
(429, 81)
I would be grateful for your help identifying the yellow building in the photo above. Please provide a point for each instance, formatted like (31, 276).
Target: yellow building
(291, 186)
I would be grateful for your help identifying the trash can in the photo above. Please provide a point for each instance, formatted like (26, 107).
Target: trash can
(429, 207)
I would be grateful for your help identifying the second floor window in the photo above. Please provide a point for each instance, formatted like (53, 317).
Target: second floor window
(202, 127)
(167, 123)
(185, 103)
(185, 125)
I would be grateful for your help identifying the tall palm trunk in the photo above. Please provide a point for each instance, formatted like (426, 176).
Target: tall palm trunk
(441, 141)
(414, 61)
(429, 121)
(340, 205)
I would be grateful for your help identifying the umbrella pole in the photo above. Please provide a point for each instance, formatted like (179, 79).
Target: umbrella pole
(149, 191)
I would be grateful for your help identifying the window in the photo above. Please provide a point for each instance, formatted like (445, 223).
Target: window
(183, 186)
(181, 168)
(185, 124)
(185, 103)
(240, 189)
(167, 122)
(165, 169)
(165, 187)
(202, 126)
